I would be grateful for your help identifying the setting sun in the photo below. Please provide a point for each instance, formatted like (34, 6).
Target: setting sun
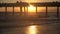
(31, 8)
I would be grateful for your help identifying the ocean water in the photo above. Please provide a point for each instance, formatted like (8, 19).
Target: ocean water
(29, 24)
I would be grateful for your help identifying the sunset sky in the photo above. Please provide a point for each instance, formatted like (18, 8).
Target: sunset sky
(13, 1)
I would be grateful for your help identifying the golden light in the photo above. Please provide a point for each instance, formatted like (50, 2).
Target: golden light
(32, 30)
(31, 8)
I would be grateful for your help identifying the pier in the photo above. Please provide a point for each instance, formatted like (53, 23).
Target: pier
(25, 4)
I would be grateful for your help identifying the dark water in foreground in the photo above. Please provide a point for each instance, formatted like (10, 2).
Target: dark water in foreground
(30, 28)
(15, 24)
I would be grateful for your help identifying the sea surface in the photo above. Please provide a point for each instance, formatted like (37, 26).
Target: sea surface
(29, 24)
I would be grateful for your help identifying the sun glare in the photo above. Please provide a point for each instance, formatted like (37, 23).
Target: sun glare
(31, 8)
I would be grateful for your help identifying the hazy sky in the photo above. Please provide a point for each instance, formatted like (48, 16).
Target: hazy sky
(13, 1)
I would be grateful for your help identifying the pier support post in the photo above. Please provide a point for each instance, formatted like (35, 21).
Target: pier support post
(24, 10)
(5, 10)
(20, 10)
(46, 11)
(57, 12)
(13, 10)
(27, 9)
(36, 9)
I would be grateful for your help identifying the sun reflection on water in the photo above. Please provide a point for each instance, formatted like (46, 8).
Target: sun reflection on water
(32, 30)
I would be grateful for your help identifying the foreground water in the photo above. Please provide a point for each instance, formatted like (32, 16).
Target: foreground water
(30, 28)
(15, 24)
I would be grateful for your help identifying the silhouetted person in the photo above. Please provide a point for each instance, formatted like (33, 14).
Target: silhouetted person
(17, 2)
